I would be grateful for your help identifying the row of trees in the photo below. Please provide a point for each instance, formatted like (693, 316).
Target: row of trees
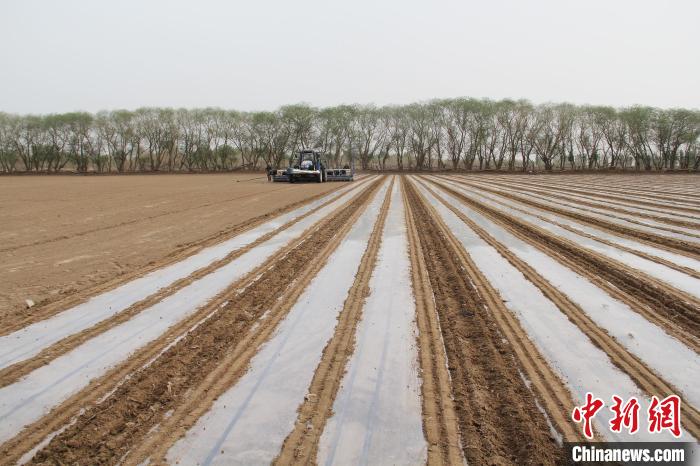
(455, 134)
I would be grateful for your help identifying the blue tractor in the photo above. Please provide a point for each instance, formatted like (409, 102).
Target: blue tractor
(309, 166)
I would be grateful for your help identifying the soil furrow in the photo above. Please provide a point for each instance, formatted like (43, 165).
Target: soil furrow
(97, 441)
(15, 319)
(664, 305)
(648, 194)
(644, 377)
(672, 265)
(606, 196)
(301, 445)
(498, 415)
(440, 423)
(661, 185)
(12, 373)
(689, 249)
(561, 195)
(692, 272)
(581, 183)
(576, 206)
(223, 352)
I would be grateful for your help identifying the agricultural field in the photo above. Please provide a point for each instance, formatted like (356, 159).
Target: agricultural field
(397, 319)
(65, 235)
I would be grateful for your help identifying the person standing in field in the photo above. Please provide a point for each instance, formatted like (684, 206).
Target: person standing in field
(268, 170)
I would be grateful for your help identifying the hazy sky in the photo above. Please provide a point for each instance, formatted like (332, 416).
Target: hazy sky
(91, 55)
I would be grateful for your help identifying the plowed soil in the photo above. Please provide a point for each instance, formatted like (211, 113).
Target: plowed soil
(491, 384)
(498, 415)
(61, 235)
(107, 431)
(664, 300)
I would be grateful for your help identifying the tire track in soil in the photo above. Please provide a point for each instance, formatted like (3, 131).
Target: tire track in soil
(675, 245)
(301, 445)
(109, 415)
(498, 414)
(18, 318)
(520, 187)
(665, 306)
(11, 374)
(692, 272)
(645, 378)
(440, 422)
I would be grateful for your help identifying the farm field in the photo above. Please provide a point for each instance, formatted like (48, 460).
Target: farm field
(62, 236)
(398, 319)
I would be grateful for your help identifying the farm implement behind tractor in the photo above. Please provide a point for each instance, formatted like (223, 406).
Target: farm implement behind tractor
(309, 166)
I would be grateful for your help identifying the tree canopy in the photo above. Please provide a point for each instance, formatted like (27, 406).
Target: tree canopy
(456, 134)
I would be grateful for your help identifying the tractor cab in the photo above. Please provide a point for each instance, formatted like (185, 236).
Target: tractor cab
(308, 166)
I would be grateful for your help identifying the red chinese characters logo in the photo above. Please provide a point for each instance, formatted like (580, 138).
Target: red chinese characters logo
(587, 412)
(626, 416)
(662, 414)
(665, 414)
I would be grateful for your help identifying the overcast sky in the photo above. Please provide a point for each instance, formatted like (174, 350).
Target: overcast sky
(58, 56)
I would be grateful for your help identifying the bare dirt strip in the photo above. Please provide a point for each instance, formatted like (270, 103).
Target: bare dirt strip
(680, 281)
(626, 220)
(624, 187)
(648, 251)
(578, 200)
(496, 382)
(109, 429)
(301, 445)
(658, 302)
(440, 421)
(249, 422)
(377, 412)
(648, 185)
(498, 415)
(685, 240)
(582, 366)
(691, 249)
(621, 183)
(95, 234)
(603, 195)
(28, 399)
(645, 378)
(13, 372)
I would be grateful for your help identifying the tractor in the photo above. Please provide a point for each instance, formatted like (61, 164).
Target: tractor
(309, 166)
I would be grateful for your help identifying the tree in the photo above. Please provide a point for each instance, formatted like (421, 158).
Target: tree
(639, 136)
(369, 133)
(420, 136)
(8, 154)
(299, 121)
(454, 133)
(547, 134)
(398, 129)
